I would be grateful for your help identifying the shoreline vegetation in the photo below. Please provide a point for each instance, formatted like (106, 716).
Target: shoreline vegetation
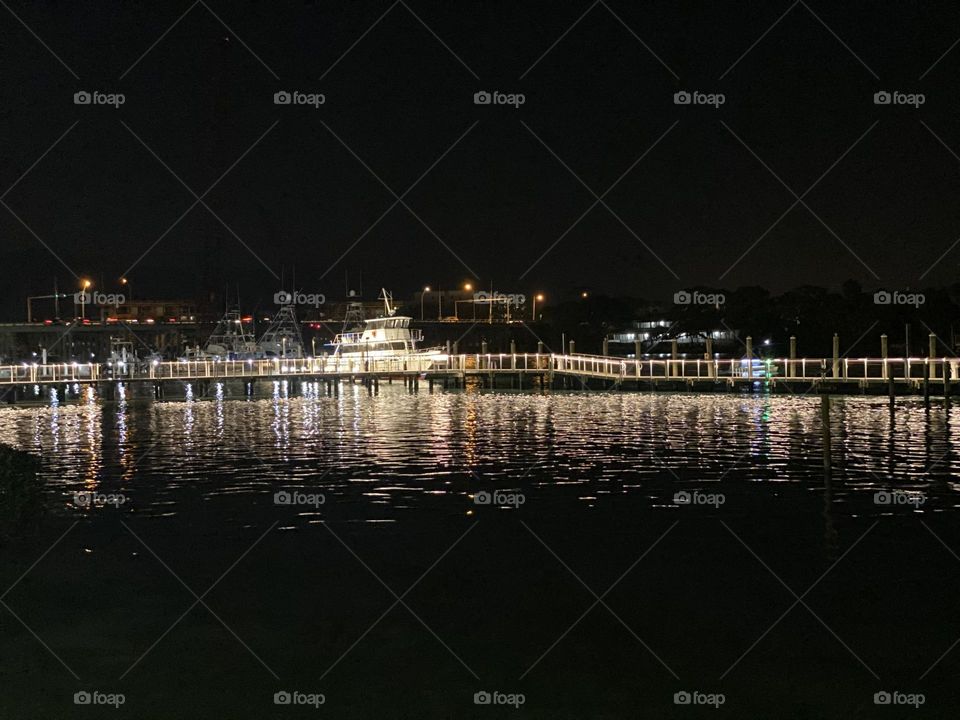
(21, 493)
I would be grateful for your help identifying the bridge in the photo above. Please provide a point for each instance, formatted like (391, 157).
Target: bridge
(893, 376)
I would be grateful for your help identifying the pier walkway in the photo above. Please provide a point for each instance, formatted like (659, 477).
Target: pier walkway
(526, 370)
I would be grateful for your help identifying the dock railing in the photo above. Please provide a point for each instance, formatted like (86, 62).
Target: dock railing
(865, 370)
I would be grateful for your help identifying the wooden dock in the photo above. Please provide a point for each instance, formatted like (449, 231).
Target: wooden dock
(891, 376)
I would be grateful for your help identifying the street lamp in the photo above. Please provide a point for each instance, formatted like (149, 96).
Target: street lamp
(126, 284)
(535, 299)
(425, 291)
(85, 285)
(468, 287)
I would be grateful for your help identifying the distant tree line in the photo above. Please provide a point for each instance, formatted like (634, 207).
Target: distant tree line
(812, 314)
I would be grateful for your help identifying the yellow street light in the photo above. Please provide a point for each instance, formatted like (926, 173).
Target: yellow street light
(536, 298)
(425, 291)
(84, 286)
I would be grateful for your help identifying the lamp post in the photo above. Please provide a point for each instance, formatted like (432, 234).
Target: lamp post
(535, 298)
(85, 285)
(456, 303)
(422, 294)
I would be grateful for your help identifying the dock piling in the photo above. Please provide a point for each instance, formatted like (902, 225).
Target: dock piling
(883, 354)
(836, 356)
(933, 354)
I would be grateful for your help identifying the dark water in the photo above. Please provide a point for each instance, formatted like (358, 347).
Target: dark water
(586, 585)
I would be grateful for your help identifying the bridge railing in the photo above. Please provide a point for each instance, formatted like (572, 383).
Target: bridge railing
(31, 373)
(805, 369)
(801, 369)
(525, 362)
(333, 365)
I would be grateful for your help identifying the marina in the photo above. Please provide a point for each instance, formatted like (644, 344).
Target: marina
(468, 361)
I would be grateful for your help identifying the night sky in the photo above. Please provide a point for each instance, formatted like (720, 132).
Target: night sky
(500, 194)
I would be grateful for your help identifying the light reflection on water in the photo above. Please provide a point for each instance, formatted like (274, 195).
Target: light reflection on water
(399, 450)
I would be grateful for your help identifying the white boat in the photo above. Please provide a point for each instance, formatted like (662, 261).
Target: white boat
(384, 338)
(283, 338)
(229, 341)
